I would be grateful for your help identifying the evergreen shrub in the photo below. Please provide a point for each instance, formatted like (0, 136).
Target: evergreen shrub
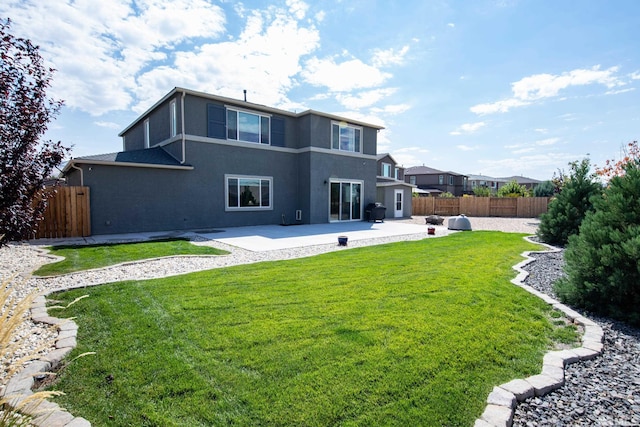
(567, 210)
(603, 260)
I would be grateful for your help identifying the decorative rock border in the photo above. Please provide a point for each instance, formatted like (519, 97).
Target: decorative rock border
(502, 401)
(46, 413)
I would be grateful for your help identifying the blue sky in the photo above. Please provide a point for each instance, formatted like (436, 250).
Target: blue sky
(493, 87)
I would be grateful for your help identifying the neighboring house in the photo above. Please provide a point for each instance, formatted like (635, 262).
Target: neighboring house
(484, 181)
(200, 161)
(530, 183)
(435, 181)
(392, 191)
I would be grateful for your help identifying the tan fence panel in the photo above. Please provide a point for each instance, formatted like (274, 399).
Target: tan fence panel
(67, 214)
(422, 206)
(503, 206)
(532, 207)
(447, 206)
(475, 206)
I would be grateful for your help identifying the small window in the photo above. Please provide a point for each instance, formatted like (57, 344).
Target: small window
(397, 173)
(440, 179)
(249, 193)
(146, 133)
(248, 127)
(412, 180)
(386, 170)
(451, 180)
(173, 119)
(345, 137)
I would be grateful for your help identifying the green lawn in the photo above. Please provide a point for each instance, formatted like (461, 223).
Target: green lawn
(94, 256)
(409, 333)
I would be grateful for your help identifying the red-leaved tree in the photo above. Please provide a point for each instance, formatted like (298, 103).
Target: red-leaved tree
(25, 111)
(611, 168)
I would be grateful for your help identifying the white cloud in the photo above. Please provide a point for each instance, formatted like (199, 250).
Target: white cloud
(364, 99)
(463, 147)
(411, 156)
(542, 86)
(537, 164)
(548, 85)
(392, 109)
(548, 141)
(635, 75)
(384, 58)
(468, 128)
(109, 125)
(541, 130)
(451, 25)
(344, 76)
(497, 107)
(618, 91)
(298, 8)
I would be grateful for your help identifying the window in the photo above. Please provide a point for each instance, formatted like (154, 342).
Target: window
(440, 179)
(386, 170)
(412, 180)
(397, 173)
(451, 180)
(146, 133)
(345, 137)
(248, 127)
(173, 119)
(248, 192)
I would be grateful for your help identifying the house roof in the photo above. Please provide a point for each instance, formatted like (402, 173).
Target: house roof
(522, 180)
(239, 102)
(484, 178)
(148, 157)
(383, 155)
(425, 170)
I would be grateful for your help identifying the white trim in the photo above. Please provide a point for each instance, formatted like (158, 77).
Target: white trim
(228, 208)
(398, 213)
(173, 118)
(123, 164)
(147, 131)
(347, 125)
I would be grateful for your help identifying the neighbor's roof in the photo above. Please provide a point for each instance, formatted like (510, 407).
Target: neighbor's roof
(425, 170)
(148, 157)
(246, 104)
(522, 180)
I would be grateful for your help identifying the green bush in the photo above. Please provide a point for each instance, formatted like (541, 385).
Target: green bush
(602, 261)
(447, 195)
(481, 192)
(544, 189)
(513, 189)
(568, 209)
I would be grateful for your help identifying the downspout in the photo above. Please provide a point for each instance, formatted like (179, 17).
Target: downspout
(184, 143)
(81, 173)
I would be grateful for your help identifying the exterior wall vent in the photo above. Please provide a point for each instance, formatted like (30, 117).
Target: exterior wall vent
(298, 215)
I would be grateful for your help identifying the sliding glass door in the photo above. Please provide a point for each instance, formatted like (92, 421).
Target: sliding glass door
(345, 201)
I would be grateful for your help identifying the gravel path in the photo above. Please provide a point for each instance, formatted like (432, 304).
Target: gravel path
(604, 391)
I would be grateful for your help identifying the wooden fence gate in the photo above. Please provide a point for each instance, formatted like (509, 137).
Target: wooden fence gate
(67, 214)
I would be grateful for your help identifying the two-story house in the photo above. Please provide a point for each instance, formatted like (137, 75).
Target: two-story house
(484, 181)
(392, 191)
(200, 161)
(426, 178)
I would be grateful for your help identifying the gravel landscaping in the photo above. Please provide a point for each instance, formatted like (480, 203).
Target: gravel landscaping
(604, 391)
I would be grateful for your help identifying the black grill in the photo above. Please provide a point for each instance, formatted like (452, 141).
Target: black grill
(375, 212)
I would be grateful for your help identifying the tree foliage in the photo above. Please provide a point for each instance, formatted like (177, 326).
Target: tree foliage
(513, 189)
(544, 189)
(25, 111)
(568, 209)
(612, 168)
(603, 260)
(481, 192)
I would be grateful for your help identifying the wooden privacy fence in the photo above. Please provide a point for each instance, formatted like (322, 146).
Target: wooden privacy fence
(514, 207)
(67, 213)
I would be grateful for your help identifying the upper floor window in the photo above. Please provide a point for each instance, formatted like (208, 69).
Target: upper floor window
(451, 180)
(248, 127)
(386, 170)
(397, 173)
(345, 137)
(248, 192)
(440, 179)
(173, 119)
(146, 133)
(412, 180)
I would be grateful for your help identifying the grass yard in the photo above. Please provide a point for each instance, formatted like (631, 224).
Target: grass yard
(409, 333)
(93, 256)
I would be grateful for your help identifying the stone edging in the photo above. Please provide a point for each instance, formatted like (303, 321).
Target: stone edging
(502, 401)
(46, 414)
